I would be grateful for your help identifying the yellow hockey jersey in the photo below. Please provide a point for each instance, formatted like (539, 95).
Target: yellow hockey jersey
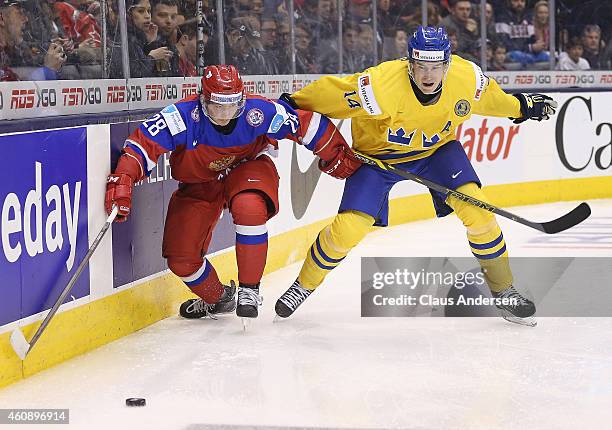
(387, 119)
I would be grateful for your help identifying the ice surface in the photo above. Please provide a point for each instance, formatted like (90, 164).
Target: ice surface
(326, 366)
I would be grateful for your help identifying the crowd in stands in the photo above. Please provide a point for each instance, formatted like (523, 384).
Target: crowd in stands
(50, 39)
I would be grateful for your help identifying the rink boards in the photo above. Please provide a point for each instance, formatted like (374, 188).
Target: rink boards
(52, 208)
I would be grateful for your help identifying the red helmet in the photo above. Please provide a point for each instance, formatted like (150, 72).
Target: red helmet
(223, 85)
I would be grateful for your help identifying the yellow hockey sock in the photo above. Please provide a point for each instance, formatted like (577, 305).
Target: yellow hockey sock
(332, 244)
(485, 238)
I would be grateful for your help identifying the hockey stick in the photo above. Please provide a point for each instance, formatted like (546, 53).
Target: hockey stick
(570, 219)
(21, 346)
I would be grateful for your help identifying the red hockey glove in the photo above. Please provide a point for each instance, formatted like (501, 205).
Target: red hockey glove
(337, 158)
(119, 193)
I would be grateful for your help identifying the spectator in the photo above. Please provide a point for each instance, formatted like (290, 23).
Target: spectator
(284, 45)
(257, 8)
(515, 30)
(41, 27)
(433, 17)
(454, 40)
(365, 46)
(78, 25)
(606, 56)
(330, 59)
(461, 22)
(433, 14)
(305, 62)
(317, 17)
(359, 12)
(164, 13)
(490, 22)
(55, 58)
(270, 52)
(143, 52)
(187, 47)
(12, 23)
(540, 25)
(405, 11)
(397, 47)
(499, 59)
(237, 8)
(386, 21)
(592, 44)
(244, 49)
(188, 8)
(572, 59)
(475, 54)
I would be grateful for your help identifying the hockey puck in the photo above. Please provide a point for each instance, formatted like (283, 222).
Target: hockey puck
(135, 401)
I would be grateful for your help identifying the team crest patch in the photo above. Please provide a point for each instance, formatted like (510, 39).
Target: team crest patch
(195, 115)
(255, 117)
(221, 163)
(462, 108)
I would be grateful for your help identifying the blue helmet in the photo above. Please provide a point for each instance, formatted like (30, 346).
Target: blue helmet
(429, 44)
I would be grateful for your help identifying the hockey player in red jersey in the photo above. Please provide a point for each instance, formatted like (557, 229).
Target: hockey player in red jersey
(221, 141)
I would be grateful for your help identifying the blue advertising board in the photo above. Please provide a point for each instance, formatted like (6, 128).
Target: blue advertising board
(43, 223)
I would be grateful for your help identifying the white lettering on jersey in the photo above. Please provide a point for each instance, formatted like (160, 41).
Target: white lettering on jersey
(281, 118)
(174, 120)
(481, 82)
(366, 94)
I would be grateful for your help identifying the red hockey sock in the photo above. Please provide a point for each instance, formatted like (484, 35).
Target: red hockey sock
(250, 214)
(201, 278)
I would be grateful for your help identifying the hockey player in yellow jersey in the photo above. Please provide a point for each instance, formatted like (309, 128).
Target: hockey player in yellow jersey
(405, 112)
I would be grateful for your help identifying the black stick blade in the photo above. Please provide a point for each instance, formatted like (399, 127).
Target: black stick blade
(570, 219)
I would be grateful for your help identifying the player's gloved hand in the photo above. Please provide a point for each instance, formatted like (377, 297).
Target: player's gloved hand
(337, 158)
(286, 97)
(119, 193)
(535, 106)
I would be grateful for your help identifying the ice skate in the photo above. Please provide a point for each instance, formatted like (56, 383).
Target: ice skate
(249, 301)
(521, 310)
(291, 300)
(198, 308)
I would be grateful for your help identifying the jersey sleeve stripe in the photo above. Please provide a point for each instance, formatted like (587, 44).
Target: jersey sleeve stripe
(313, 127)
(322, 130)
(143, 153)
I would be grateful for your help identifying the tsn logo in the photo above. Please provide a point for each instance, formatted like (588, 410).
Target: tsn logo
(77, 96)
(161, 92)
